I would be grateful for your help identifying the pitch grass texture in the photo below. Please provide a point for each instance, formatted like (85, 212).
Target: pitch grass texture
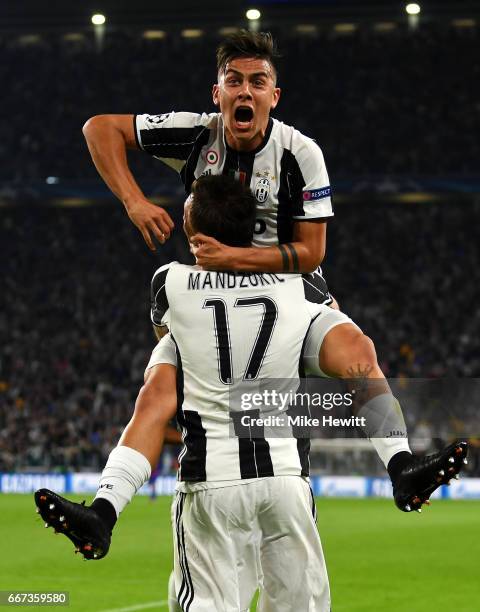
(378, 558)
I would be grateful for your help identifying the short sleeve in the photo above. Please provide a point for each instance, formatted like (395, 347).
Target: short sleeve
(326, 319)
(164, 352)
(170, 137)
(316, 289)
(158, 297)
(316, 201)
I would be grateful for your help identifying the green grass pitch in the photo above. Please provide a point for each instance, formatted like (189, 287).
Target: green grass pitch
(378, 558)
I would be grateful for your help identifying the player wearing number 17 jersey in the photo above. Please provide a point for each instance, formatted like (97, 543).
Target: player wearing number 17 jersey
(232, 330)
(243, 512)
(240, 499)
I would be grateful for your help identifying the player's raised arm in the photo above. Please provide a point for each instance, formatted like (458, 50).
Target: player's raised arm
(108, 138)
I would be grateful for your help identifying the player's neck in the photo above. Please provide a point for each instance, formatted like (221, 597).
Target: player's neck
(243, 144)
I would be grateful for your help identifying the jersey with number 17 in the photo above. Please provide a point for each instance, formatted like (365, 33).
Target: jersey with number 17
(231, 330)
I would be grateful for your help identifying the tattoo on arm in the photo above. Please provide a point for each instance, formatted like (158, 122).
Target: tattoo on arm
(285, 260)
(288, 266)
(294, 254)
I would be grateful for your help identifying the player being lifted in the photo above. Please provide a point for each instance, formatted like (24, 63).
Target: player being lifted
(220, 473)
(284, 169)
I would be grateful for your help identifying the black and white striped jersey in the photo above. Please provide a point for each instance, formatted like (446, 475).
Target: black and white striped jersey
(287, 173)
(233, 331)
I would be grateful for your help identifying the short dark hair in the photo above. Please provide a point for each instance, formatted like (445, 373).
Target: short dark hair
(223, 208)
(259, 45)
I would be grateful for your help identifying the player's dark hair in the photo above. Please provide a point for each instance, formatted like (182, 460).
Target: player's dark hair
(223, 208)
(259, 45)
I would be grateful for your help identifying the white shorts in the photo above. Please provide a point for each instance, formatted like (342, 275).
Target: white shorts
(326, 320)
(229, 542)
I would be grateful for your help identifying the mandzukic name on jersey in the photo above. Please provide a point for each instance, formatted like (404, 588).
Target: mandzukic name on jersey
(230, 338)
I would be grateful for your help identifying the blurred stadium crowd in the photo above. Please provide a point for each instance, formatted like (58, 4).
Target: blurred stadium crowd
(76, 335)
(74, 330)
(377, 103)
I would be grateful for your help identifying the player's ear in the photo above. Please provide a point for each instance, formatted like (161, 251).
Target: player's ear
(215, 94)
(276, 97)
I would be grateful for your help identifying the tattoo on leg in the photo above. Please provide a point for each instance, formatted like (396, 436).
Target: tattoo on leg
(360, 371)
(294, 254)
(360, 387)
(285, 260)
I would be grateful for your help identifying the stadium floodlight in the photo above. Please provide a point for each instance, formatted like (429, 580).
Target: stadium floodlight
(154, 34)
(413, 8)
(29, 39)
(306, 28)
(253, 14)
(345, 28)
(192, 33)
(73, 37)
(98, 19)
(464, 23)
(384, 26)
(227, 30)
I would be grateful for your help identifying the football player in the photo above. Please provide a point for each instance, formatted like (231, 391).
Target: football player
(227, 328)
(284, 169)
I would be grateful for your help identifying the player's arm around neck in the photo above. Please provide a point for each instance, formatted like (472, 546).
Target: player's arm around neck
(108, 138)
(304, 254)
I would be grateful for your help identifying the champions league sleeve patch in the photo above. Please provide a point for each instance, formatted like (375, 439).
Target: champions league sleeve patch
(313, 195)
(157, 119)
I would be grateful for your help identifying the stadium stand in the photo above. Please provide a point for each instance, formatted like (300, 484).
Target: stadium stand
(74, 329)
(378, 103)
(75, 332)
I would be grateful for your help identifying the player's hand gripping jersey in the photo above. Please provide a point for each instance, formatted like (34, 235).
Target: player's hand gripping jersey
(232, 330)
(287, 173)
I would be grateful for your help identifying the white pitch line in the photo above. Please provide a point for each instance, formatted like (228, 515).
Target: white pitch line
(144, 606)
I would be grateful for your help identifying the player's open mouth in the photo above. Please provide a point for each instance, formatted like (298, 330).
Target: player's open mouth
(243, 117)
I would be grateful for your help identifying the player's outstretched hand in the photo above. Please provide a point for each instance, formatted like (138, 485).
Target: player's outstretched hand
(153, 221)
(211, 254)
(420, 478)
(80, 524)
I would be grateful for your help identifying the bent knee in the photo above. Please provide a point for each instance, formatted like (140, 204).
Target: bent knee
(362, 349)
(348, 352)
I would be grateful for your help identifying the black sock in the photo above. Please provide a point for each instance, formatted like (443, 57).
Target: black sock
(397, 463)
(105, 511)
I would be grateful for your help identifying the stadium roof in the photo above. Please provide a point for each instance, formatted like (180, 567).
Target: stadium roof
(51, 14)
